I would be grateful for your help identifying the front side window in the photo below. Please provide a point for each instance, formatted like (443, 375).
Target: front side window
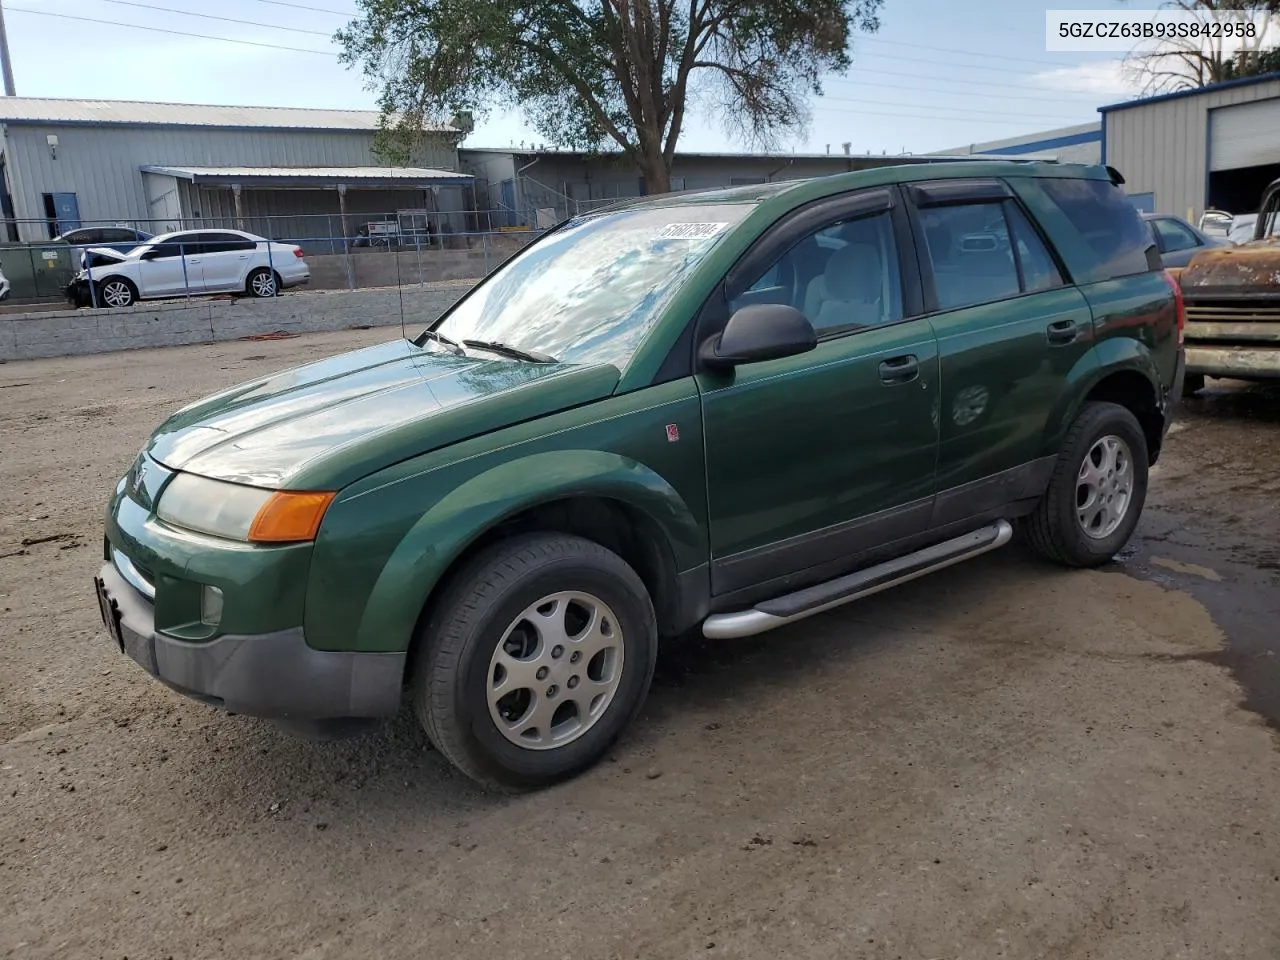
(1173, 236)
(843, 277)
(590, 292)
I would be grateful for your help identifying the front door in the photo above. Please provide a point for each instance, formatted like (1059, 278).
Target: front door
(1010, 335)
(172, 268)
(815, 458)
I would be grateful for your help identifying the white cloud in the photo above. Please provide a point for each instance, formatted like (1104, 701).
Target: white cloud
(1105, 78)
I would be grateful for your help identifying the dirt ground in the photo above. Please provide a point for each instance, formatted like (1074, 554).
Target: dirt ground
(1003, 760)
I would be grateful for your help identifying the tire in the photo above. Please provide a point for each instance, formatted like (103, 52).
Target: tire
(1192, 383)
(262, 283)
(1056, 529)
(116, 292)
(492, 600)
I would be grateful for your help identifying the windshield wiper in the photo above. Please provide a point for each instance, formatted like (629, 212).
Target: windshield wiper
(441, 339)
(506, 350)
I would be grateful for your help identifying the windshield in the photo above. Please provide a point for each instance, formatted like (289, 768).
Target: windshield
(590, 292)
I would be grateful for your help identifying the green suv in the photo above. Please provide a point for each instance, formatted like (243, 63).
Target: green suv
(724, 410)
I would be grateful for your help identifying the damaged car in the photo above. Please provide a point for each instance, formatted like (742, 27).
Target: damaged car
(1232, 297)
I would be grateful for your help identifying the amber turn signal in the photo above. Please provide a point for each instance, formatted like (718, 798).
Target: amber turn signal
(290, 516)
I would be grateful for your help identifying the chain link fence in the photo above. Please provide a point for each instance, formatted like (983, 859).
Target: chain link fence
(374, 250)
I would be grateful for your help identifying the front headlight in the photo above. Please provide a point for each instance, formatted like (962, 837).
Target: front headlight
(236, 512)
(211, 506)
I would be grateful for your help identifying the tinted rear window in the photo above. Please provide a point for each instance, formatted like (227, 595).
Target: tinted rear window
(1110, 226)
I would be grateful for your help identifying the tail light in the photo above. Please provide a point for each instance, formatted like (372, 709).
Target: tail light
(1178, 304)
(297, 252)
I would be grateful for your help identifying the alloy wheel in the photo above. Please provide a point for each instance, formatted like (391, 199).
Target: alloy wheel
(1104, 487)
(555, 670)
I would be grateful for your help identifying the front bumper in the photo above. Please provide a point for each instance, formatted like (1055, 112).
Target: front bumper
(1243, 362)
(274, 675)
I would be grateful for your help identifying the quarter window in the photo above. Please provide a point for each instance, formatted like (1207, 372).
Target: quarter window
(1111, 228)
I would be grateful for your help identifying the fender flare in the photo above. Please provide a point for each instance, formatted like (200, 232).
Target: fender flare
(1107, 358)
(460, 518)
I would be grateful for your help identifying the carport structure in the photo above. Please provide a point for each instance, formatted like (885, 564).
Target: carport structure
(318, 207)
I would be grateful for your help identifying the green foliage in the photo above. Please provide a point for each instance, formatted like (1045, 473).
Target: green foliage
(588, 74)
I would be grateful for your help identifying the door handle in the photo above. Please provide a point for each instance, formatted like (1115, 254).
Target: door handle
(1062, 332)
(902, 369)
(243, 256)
(193, 259)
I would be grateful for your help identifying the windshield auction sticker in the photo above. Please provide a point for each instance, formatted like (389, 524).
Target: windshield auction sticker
(690, 231)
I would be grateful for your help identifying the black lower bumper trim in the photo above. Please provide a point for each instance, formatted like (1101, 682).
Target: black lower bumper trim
(266, 675)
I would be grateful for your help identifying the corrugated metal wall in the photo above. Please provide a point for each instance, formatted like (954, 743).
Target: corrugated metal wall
(1163, 147)
(102, 165)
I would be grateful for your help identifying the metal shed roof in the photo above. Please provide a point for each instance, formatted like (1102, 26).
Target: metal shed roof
(314, 176)
(133, 112)
(1190, 92)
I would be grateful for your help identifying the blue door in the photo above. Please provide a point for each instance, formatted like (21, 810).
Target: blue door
(66, 210)
(509, 202)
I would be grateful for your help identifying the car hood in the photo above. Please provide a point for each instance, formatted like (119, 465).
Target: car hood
(106, 254)
(327, 424)
(1251, 268)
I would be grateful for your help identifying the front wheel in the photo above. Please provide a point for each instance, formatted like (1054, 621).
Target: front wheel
(533, 661)
(1097, 490)
(117, 292)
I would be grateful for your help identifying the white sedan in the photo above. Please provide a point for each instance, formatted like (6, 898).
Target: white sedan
(189, 262)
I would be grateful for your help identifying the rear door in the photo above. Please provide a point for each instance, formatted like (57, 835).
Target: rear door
(1010, 332)
(225, 260)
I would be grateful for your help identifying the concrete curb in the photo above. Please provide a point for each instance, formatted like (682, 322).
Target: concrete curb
(62, 333)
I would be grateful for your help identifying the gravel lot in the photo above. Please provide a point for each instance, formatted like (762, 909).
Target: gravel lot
(1003, 760)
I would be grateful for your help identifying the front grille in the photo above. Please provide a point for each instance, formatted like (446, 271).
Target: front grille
(1233, 311)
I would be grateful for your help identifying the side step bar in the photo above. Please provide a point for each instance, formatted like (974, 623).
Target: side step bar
(791, 607)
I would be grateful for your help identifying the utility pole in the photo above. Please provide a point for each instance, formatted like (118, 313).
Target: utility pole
(5, 64)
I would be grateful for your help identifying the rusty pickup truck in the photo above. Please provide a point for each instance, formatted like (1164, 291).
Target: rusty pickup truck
(1232, 297)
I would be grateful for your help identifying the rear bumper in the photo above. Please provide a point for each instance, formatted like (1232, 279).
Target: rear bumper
(1256, 361)
(274, 675)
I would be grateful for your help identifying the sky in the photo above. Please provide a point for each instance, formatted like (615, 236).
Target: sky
(937, 75)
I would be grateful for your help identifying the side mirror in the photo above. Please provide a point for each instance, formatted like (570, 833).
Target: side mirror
(759, 331)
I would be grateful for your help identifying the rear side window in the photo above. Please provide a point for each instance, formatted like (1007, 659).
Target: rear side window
(1112, 229)
(970, 254)
(1039, 272)
(982, 252)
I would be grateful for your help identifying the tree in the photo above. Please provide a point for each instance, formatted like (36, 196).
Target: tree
(587, 74)
(1184, 63)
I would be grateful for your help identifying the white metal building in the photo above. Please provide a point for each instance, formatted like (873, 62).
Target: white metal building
(1213, 147)
(1078, 144)
(159, 166)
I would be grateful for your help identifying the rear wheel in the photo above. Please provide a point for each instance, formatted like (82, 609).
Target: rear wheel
(117, 292)
(534, 660)
(1097, 490)
(262, 283)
